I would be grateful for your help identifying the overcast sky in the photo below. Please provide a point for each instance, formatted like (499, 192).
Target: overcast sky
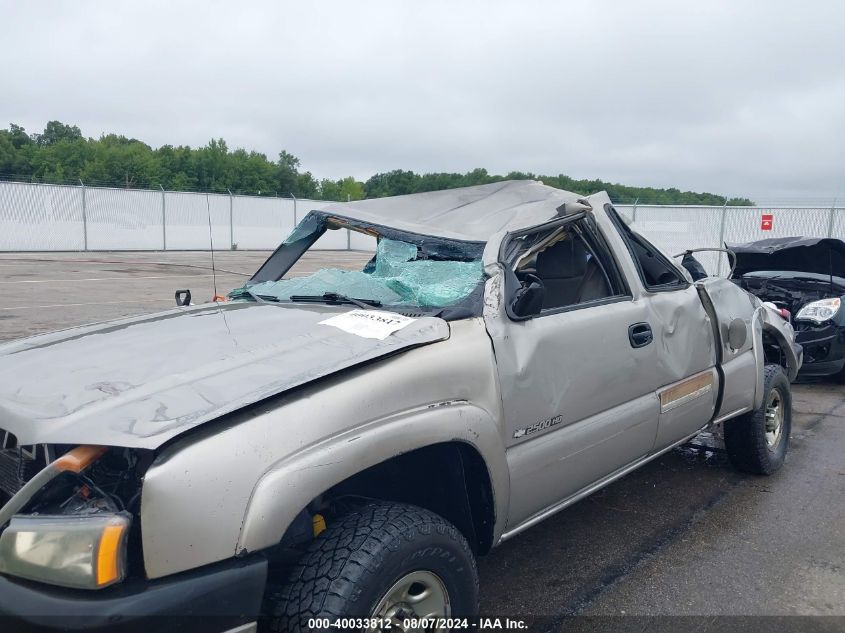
(740, 98)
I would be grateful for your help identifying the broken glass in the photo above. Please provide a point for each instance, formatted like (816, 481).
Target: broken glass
(399, 275)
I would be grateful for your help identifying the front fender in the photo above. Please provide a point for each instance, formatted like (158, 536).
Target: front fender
(783, 333)
(286, 488)
(209, 495)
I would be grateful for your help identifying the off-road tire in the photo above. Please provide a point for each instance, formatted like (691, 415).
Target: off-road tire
(745, 436)
(349, 567)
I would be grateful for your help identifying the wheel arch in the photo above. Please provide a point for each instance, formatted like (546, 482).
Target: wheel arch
(466, 460)
(450, 479)
(778, 350)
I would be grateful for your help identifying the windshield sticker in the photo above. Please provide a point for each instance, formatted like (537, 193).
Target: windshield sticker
(369, 323)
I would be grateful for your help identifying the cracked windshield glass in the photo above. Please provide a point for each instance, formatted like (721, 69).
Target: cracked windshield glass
(400, 273)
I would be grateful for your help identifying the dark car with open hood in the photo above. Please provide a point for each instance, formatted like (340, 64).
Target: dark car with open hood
(806, 278)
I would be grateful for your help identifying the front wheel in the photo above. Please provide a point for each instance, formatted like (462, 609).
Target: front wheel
(758, 440)
(382, 562)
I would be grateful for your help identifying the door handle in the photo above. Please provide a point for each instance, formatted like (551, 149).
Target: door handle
(640, 334)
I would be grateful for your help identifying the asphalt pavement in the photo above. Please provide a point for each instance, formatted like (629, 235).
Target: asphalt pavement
(685, 535)
(51, 291)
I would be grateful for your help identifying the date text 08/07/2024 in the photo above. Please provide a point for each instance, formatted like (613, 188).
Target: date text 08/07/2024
(415, 623)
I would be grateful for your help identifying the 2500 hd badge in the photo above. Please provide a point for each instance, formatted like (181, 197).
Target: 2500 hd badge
(542, 425)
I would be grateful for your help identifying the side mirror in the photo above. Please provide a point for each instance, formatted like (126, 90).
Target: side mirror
(693, 267)
(183, 297)
(528, 300)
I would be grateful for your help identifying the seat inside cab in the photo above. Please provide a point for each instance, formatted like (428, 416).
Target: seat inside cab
(568, 270)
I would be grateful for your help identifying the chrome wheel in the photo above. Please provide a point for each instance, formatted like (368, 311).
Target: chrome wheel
(415, 596)
(774, 418)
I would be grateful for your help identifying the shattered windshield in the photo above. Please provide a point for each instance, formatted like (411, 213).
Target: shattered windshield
(416, 271)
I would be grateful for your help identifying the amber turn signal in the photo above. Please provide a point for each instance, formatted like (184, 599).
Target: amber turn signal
(78, 459)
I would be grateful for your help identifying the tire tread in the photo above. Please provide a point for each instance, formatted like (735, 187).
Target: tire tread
(745, 439)
(347, 555)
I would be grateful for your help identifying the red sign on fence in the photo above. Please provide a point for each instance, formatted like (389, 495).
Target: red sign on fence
(766, 222)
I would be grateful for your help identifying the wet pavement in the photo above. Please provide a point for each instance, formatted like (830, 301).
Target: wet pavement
(688, 535)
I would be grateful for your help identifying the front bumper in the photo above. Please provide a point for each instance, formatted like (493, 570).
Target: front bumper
(221, 597)
(824, 349)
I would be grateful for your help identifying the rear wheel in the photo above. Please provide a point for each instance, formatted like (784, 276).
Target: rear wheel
(757, 441)
(383, 562)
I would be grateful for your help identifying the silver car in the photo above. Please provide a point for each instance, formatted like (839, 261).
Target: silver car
(344, 444)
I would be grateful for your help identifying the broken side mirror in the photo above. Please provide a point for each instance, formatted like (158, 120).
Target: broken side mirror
(693, 266)
(528, 299)
(696, 270)
(183, 297)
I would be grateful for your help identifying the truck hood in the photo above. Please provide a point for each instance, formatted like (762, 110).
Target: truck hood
(824, 256)
(140, 381)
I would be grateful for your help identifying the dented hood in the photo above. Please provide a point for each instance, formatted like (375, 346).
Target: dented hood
(141, 381)
(823, 256)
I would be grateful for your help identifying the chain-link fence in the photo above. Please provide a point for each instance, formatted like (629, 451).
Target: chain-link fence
(674, 229)
(38, 217)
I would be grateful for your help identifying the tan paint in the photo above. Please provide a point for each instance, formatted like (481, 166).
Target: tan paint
(675, 395)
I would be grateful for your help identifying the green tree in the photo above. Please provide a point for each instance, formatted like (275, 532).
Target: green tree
(341, 190)
(121, 162)
(56, 131)
(306, 186)
(60, 153)
(288, 172)
(351, 189)
(18, 136)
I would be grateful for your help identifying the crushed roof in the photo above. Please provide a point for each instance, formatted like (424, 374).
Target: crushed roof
(468, 213)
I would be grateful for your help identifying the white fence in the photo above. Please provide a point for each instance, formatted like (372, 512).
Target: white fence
(36, 217)
(676, 228)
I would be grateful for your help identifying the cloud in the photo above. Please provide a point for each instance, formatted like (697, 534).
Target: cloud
(740, 98)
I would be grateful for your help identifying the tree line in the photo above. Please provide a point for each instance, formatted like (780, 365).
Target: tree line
(60, 154)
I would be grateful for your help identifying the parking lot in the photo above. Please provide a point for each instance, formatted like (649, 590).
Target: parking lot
(50, 291)
(685, 535)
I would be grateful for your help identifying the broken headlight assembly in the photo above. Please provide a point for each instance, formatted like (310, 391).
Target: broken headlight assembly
(819, 311)
(83, 552)
(69, 525)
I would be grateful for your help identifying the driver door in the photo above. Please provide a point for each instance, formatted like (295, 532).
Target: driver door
(577, 380)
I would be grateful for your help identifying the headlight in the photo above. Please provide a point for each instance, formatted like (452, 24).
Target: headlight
(819, 311)
(85, 552)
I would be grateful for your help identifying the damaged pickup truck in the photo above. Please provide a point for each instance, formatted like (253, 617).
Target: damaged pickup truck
(343, 445)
